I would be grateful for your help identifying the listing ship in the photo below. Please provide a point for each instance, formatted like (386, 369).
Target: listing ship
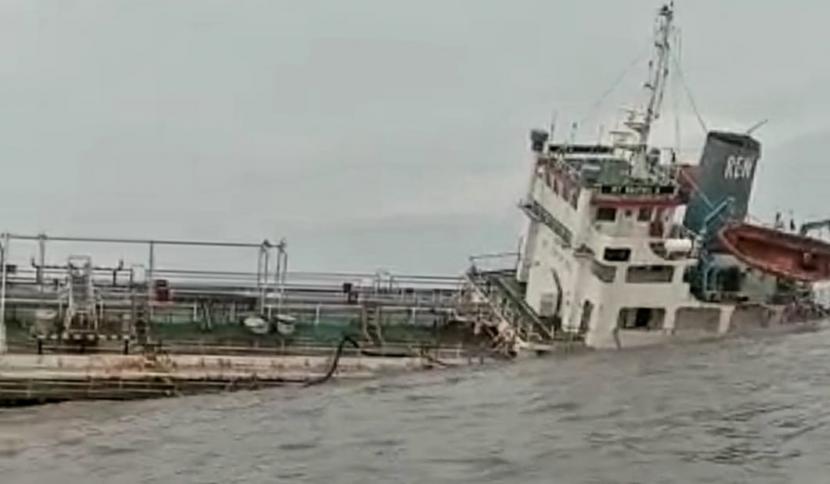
(625, 246)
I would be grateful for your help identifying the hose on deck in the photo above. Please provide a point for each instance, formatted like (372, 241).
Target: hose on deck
(335, 361)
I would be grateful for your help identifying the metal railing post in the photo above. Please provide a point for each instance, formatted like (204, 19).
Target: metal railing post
(4, 255)
(281, 272)
(41, 248)
(150, 276)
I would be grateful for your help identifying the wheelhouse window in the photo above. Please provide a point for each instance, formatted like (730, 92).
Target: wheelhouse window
(644, 215)
(604, 272)
(606, 214)
(649, 274)
(585, 321)
(642, 319)
(617, 255)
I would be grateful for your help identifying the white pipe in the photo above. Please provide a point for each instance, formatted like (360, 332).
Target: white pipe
(109, 240)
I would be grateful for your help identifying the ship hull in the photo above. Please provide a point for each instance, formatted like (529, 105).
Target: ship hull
(743, 320)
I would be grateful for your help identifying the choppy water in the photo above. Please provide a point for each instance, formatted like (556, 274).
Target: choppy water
(744, 410)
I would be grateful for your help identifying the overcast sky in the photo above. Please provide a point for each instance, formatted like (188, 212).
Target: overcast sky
(370, 133)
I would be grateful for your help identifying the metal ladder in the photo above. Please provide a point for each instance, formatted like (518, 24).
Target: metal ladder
(515, 326)
(370, 319)
(80, 296)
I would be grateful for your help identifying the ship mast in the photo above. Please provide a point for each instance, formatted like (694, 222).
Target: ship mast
(640, 121)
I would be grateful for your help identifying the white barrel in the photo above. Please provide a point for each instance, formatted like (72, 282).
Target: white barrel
(678, 246)
(285, 324)
(45, 320)
(47, 315)
(256, 325)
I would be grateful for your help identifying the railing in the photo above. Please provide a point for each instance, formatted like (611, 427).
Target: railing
(509, 305)
(129, 289)
(537, 212)
(500, 261)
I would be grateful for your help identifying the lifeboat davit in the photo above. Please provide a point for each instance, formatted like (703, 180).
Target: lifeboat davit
(783, 254)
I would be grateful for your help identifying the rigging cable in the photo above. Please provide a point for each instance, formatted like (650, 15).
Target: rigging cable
(619, 79)
(688, 93)
(676, 96)
(697, 190)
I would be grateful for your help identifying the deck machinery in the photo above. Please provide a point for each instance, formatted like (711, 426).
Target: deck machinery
(79, 304)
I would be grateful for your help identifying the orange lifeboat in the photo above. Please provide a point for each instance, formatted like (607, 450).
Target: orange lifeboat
(779, 253)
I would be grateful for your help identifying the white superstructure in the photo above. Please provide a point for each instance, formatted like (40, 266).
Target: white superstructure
(601, 253)
(604, 257)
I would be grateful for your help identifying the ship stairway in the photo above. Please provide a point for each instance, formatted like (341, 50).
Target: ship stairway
(79, 297)
(511, 318)
(371, 324)
(140, 302)
(207, 315)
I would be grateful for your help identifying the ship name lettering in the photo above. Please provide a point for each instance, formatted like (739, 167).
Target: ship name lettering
(738, 167)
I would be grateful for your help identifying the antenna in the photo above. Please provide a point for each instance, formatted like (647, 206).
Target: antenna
(574, 127)
(655, 85)
(756, 126)
(553, 118)
(675, 94)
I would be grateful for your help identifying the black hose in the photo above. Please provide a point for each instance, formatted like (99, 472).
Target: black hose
(385, 354)
(334, 362)
(424, 353)
(348, 339)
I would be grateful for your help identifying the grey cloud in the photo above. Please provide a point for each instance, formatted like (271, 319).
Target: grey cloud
(356, 129)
